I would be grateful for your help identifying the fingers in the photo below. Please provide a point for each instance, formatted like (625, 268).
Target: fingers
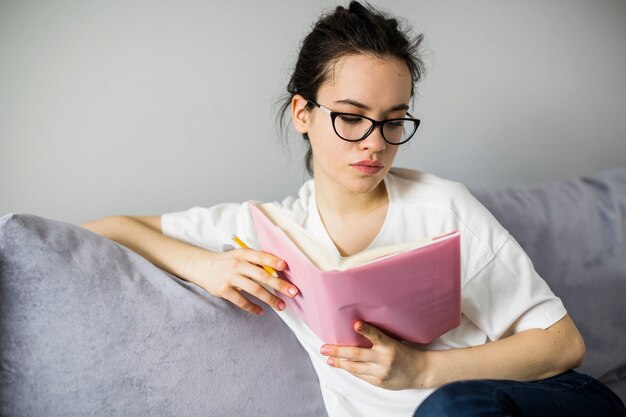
(242, 302)
(354, 354)
(356, 368)
(254, 288)
(232, 294)
(372, 333)
(249, 275)
(264, 258)
(358, 361)
(388, 363)
(261, 275)
(228, 274)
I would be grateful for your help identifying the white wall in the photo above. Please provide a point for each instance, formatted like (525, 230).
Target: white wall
(145, 107)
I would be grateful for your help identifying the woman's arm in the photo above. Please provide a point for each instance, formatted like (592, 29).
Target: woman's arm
(526, 356)
(221, 274)
(143, 235)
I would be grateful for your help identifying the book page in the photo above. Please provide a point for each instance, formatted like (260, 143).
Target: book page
(317, 253)
(376, 254)
(322, 257)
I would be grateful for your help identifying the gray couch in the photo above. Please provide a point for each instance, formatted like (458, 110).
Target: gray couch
(88, 327)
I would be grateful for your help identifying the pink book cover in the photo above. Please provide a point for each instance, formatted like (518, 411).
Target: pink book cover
(413, 295)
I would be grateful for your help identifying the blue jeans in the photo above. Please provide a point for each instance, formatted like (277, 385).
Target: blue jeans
(568, 395)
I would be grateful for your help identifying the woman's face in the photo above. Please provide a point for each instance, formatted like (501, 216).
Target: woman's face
(361, 84)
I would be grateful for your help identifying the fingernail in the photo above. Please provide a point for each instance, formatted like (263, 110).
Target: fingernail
(325, 350)
(281, 305)
(293, 291)
(280, 264)
(331, 361)
(260, 312)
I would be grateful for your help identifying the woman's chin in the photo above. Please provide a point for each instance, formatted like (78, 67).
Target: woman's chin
(365, 184)
(356, 182)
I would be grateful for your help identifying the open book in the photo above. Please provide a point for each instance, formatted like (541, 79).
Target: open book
(411, 290)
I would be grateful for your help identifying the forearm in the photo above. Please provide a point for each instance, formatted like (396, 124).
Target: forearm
(526, 356)
(226, 274)
(147, 240)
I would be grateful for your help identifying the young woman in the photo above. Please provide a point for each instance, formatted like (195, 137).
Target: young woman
(350, 97)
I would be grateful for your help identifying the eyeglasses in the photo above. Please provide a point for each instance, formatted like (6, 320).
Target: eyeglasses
(355, 127)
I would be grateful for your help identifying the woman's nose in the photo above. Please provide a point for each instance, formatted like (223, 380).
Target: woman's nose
(374, 141)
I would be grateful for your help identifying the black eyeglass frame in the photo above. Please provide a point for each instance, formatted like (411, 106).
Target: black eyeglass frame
(381, 123)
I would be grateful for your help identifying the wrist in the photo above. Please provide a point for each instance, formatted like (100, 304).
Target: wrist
(192, 263)
(426, 364)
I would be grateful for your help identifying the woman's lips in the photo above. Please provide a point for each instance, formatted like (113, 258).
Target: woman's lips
(368, 167)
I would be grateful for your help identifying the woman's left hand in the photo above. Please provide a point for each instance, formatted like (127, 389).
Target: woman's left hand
(388, 363)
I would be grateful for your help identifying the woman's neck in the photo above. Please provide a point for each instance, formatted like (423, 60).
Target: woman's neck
(351, 219)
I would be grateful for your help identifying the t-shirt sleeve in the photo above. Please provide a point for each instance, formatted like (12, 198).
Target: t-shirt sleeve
(507, 296)
(211, 228)
(501, 293)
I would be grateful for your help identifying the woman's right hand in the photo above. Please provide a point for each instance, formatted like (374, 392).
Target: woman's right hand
(226, 274)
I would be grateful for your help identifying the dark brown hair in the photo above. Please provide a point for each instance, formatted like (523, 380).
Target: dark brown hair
(356, 30)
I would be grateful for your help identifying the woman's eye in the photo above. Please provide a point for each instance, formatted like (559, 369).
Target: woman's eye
(350, 119)
(396, 125)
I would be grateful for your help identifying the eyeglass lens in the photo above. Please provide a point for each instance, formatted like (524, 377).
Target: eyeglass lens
(353, 127)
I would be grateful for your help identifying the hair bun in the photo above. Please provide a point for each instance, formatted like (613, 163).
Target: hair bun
(356, 7)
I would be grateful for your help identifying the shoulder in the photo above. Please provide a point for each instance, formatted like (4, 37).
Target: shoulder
(234, 214)
(208, 227)
(422, 192)
(411, 186)
(296, 207)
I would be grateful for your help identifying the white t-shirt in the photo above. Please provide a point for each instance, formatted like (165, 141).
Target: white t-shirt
(501, 292)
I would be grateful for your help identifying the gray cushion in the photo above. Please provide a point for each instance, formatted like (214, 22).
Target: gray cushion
(88, 327)
(575, 233)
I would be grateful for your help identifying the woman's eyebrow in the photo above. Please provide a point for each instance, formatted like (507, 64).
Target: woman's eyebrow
(366, 107)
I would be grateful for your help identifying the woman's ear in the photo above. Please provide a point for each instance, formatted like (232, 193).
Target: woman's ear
(300, 113)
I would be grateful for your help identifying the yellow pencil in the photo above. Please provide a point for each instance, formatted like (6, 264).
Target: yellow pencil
(243, 245)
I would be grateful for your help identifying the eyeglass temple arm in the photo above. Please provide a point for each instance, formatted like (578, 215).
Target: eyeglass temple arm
(320, 106)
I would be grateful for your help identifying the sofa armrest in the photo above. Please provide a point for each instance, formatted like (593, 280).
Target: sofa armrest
(88, 327)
